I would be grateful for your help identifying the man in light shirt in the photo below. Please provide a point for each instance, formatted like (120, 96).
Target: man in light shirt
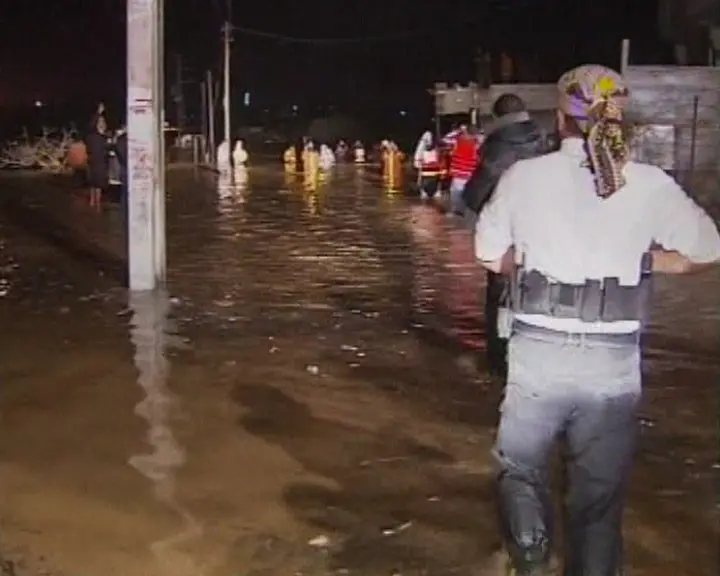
(575, 229)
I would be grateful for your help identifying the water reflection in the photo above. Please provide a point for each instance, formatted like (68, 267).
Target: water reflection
(241, 178)
(153, 334)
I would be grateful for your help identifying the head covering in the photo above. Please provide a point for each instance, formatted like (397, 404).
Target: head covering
(595, 97)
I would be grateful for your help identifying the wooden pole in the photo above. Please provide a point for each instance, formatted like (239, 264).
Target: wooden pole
(211, 118)
(203, 120)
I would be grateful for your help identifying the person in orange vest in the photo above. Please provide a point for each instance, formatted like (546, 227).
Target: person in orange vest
(311, 167)
(290, 159)
(427, 164)
(393, 167)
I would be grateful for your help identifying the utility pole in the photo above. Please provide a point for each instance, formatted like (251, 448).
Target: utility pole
(146, 145)
(179, 94)
(227, 30)
(211, 117)
(204, 119)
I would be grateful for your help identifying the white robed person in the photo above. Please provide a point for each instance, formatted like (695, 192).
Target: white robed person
(240, 160)
(427, 163)
(240, 155)
(327, 158)
(223, 158)
(358, 153)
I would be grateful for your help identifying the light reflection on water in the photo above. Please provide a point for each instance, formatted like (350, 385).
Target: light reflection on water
(261, 263)
(152, 334)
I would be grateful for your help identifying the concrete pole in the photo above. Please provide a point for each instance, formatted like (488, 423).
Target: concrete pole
(146, 145)
(203, 122)
(624, 56)
(226, 90)
(211, 118)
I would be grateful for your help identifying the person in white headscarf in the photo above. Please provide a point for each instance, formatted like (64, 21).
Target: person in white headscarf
(341, 150)
(223, 157)
(359, 152)
(427, 163)
(240, 155)
(327, 158)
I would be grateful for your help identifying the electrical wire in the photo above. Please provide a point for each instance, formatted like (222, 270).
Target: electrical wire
(414, 33)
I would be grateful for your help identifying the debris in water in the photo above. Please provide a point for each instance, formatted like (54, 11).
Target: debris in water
(388, 460)
(312, 369)
(393, 531)
(320, 541)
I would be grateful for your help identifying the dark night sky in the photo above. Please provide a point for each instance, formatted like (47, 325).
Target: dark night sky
(55, 50)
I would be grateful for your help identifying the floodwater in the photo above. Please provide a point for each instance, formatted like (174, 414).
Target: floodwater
(305, 399)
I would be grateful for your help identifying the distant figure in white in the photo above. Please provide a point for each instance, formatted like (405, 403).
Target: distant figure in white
(223, 158)
(240, 160)
(359, 152)
(423, 144)
(341, 151)
(327, 158)
(240, 155)
(427, 163)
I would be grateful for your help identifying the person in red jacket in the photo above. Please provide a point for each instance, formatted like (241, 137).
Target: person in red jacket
(463, 160)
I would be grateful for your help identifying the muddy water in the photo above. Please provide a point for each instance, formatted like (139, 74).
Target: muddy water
(304, 399)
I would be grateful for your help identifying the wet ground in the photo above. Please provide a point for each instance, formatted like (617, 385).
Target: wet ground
(305, 400)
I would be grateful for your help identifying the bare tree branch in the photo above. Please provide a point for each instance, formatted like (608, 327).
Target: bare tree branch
(46, 152)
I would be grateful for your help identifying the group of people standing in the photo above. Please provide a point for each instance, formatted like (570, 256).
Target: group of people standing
(315, 162)
(571, 238)
(447, 163)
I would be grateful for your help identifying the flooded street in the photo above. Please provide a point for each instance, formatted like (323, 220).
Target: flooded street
(307, 399)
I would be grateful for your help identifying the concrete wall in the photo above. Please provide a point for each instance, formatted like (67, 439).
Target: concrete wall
(681, 97)
(666, 102)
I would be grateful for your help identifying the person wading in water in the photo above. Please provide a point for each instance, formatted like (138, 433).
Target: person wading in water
(576, 230)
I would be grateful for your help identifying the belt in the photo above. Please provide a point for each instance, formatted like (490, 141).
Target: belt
(593, 301)
(541, 333)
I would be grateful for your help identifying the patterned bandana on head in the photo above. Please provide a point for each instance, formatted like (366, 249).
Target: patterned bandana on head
(595, 97)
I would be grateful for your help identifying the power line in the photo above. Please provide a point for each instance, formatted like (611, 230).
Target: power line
(418, 32)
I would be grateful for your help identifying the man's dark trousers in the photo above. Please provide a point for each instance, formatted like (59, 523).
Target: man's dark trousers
(496, 347)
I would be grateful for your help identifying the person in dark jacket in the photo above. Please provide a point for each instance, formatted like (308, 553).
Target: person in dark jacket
(121, 152)
(97, 164)
(512, 136)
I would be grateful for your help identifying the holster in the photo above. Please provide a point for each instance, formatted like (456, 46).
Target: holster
(606, 300)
